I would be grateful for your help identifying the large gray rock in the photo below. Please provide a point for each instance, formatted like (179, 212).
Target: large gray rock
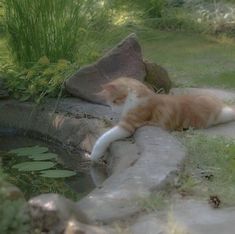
(125, 59)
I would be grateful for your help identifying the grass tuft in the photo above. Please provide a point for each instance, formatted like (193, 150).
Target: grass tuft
(55, 28)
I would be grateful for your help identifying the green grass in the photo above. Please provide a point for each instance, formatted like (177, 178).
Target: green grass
(192, 59)
(156, 201)
(209, 168)
(42, 28)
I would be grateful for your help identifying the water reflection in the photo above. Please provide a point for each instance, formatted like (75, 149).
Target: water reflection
(88, 177)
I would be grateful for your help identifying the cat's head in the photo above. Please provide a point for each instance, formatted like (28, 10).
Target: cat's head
(114, 92)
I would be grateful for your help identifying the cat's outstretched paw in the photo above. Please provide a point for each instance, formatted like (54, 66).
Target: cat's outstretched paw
(95, 156)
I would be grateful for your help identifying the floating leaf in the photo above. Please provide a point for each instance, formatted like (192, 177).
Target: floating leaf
(57, 173)
(33, 166)
(41, 157)
(27, 151)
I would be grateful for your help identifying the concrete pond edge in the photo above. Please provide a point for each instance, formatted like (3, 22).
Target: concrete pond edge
(138, 166)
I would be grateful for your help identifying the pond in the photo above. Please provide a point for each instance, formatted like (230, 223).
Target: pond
(32, 183)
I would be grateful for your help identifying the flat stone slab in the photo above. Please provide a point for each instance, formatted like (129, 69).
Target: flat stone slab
(199, 217)
(227, 96)
(225, 130)
(160, 156)
(187, 216)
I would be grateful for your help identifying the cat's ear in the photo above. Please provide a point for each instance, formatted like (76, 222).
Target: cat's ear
(106, 90)
(102, 94)
(109, 87)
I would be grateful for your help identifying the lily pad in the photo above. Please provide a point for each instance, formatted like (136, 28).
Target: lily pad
(27, 151)
(41, 157)
(57, 173)
(33, 166)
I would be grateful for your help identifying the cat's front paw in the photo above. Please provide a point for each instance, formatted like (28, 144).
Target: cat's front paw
(95, 156)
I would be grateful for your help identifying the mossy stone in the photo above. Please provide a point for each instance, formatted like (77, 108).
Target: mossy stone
(157, 77)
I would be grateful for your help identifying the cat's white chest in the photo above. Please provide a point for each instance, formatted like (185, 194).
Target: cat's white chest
(131, 102)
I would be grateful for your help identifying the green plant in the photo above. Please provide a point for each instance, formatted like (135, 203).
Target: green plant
(22, 172)
(42, 79)
(156, 8)
(13, 216)
(176, 19)
(42, 160)
(55, 28)
(38, 28)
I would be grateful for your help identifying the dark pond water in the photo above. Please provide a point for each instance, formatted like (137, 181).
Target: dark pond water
(75, 187)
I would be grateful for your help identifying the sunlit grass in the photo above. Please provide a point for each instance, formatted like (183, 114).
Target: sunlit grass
(192, 59)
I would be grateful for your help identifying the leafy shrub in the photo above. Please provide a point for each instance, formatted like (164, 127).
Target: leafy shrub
(42, 79)
(156, 7)
(177, 19)
(13, 218)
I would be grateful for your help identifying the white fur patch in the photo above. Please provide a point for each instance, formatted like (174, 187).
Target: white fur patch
(106, 139)
(227, 114)
(131, 102)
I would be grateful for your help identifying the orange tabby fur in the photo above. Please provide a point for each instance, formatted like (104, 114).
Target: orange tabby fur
(141, 106)
(168, 111)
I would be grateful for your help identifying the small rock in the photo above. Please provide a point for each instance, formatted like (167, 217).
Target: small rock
(125, 59)
(10, 191)
(51, 212)
(75, 227)
(157, 77)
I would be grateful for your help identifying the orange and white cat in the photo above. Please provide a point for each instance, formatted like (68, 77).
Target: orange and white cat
(141, 106)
